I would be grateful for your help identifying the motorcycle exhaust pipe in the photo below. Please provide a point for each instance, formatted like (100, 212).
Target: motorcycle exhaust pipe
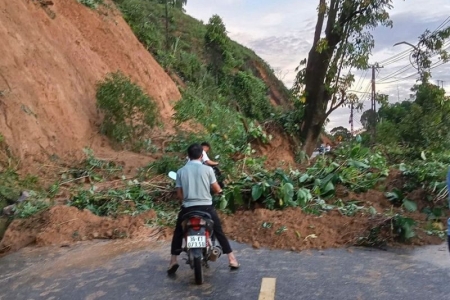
(216, 252)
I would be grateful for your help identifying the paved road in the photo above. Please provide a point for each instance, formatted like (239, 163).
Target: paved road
(136, 270)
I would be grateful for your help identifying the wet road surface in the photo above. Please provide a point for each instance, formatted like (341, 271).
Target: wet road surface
(137, 270)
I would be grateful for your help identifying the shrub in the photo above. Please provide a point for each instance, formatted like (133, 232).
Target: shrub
(162, 166)
(128, 111)
(251, 94)
(91, 3)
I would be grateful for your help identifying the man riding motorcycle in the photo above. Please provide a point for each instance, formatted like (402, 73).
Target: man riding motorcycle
(193, 183)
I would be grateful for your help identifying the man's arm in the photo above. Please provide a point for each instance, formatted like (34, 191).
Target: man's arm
(211, 163)
(214, 185)
(207, 161)
(216, 188)
(180, 193)
(178, 186)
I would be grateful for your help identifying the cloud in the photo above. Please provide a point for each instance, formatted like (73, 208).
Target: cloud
(272, 19)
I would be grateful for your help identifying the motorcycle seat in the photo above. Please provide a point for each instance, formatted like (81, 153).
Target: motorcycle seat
(201, 214)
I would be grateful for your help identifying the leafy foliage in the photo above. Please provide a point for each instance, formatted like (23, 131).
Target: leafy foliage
(341, 133)
(128, 111)
(111, 202)
(162, 166)
(420, 124)
(91, 3)
(356, 167)
(430, 44)
(251, 95)
(29, 208)
(203, 56)
(341, 40)
(217, 45)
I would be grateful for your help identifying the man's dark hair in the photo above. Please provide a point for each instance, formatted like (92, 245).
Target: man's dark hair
(206, 144)
(195, 151)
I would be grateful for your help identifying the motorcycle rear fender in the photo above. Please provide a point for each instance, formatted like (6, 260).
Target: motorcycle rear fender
(196, 252)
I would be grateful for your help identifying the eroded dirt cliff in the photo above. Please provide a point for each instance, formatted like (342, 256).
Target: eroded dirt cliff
(52, 55)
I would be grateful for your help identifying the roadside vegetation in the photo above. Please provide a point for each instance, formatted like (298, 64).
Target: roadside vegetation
(222, 80)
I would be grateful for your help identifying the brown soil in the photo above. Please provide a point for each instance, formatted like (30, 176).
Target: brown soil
(302, 231)
(289, 229)
(279, 151)
(52, 57)
(332, 229)
(64, 225)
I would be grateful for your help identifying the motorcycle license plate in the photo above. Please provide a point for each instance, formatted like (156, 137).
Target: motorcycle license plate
(196, 241)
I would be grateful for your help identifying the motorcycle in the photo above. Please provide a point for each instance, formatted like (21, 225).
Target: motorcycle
(198, 240)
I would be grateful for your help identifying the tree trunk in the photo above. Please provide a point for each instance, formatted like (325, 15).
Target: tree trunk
(167, 25)
(317, 96)
(312, 136)
(316, 99)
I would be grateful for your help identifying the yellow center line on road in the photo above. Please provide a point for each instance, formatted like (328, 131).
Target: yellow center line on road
(267, 291)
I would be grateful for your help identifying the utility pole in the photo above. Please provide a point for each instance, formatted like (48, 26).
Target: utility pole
(373, 98)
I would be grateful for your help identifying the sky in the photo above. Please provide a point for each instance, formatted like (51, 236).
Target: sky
(281, 32)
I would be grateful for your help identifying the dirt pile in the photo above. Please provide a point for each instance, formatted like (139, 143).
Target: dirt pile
(63, 225)
(292, 229)
(295, 230)
(53, 54)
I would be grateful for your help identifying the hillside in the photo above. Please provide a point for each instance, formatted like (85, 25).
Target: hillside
(187, 45)
(50, 67)
(52, 57)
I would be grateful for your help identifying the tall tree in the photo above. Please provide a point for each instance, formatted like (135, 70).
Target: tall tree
(341, 133)
(217, 46)
(420, 124)
(431, 44)
(178, 4)
(369, 119)
(345, 43)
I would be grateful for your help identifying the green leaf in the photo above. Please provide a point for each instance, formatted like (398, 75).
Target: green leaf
(257, 191)
(223, 203)
(237, 196)
(329, 187)
(357, 164)
(303, 197)
(287, 191)
(372, 211)
(409, 205)
(303, 178)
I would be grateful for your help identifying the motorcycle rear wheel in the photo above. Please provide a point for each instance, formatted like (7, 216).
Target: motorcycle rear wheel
(198, 270)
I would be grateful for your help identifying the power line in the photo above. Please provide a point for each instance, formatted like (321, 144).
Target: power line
(442, 25)
(398, 72)
(395, 59)
(361, 79)
(432, 67)
(407, 67)
(407, 52)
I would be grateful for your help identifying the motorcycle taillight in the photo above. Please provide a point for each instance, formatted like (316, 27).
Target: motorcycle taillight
(195, 223)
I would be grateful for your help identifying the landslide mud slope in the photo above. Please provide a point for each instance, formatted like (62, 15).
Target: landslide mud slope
(51, 58)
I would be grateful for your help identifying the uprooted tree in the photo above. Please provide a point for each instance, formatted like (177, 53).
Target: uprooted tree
(345, 43)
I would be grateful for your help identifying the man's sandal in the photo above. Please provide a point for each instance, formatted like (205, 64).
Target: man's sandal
(172, 269)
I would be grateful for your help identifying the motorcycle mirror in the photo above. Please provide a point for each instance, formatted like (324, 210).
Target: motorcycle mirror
(172, 175)
(217, 157)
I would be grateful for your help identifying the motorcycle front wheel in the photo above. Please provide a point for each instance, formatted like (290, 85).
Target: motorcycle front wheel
(198, 270)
